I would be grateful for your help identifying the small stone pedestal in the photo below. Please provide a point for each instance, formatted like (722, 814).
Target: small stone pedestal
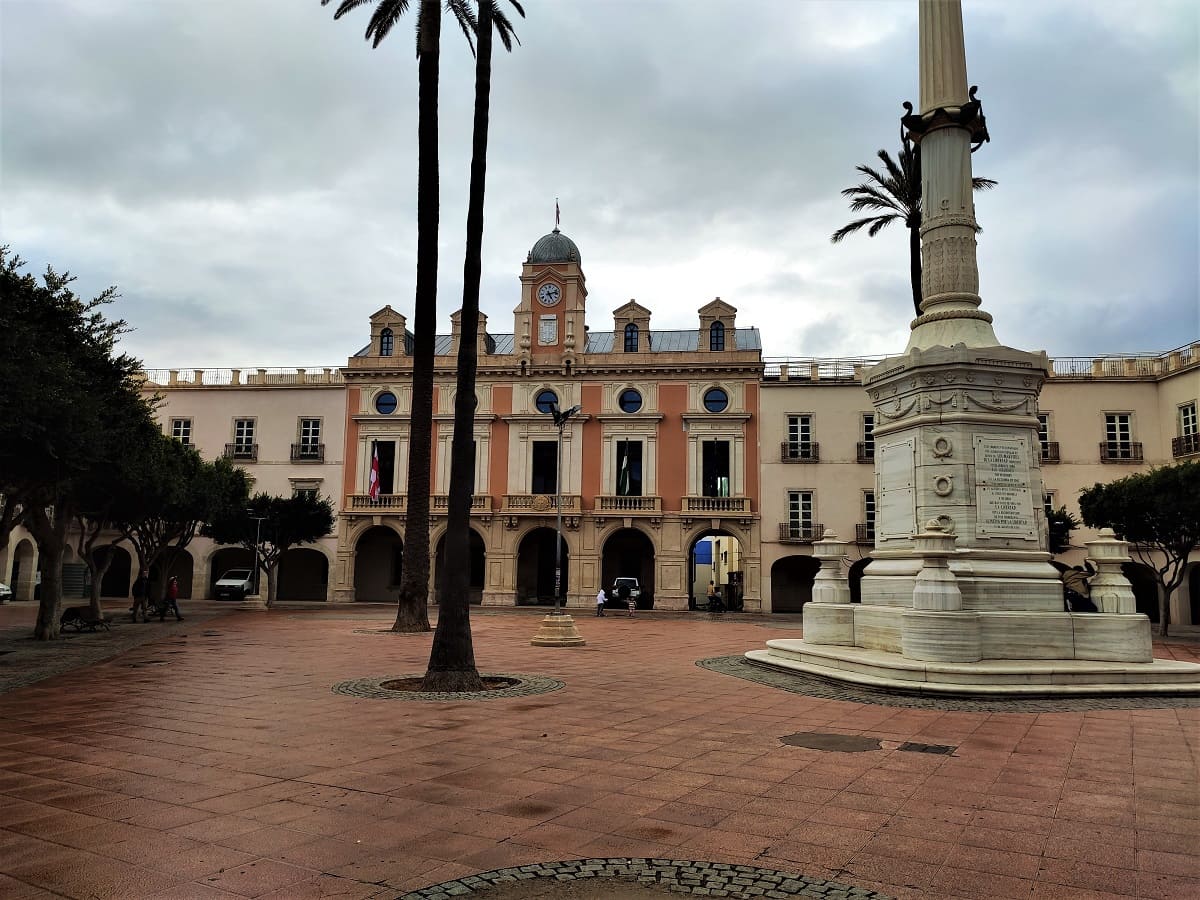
(254, 603)
(829, 617)
(558, 631)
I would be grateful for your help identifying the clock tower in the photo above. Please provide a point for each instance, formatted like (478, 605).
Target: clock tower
(548, 329)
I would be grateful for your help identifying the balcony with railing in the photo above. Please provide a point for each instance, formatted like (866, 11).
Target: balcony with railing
(308, 453)
(1050, 452)
(616, 505)
(542, 503)
(717, 506)
(1121, 452)
(242, 452)
(796, 533)
(864, 533)
(481, 504)
(389, 503)
(799, 452)
(1185, 445)
(865, 452)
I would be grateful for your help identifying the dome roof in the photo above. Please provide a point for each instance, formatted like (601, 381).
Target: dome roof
(554, 247)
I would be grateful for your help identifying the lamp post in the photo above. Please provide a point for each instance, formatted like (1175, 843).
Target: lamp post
(258, 520)
(560, 420)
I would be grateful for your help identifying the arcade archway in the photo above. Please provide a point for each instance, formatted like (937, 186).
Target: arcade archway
(118, 578)
(629, 553)
(716, 556)
(535, 568)
(792, 583)
(1145, 588)
(228, 557)
(24, 572)
(477, 563)
(303, 575)
(378, 565)
(172, 562)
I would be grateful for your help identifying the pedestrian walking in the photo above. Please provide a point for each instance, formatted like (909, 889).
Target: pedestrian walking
(600, 598)
(625, 596)
(140, 585)
(172, 601)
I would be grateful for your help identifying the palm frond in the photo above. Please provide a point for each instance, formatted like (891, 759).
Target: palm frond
(866, 196)
(504, 26)
(465, 17)
(876, 223)
(385, 16)
(983, 184)
(345, 6)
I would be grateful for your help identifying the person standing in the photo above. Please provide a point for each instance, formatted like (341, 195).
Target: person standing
(600, 598)
(172, 601)
(139, 596)
(625, 596)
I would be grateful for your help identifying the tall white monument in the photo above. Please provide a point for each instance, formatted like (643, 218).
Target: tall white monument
(960, 596)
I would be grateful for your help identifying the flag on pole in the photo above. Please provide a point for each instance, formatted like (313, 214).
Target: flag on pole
(623, 477)
(556, 214)
(373, 479)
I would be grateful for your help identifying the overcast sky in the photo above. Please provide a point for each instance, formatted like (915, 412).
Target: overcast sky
(244, 171)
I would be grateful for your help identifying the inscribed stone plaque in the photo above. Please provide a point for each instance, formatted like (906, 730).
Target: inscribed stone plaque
(1002, 493)
(897, 516)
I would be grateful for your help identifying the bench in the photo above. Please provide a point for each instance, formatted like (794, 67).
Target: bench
(80, 617)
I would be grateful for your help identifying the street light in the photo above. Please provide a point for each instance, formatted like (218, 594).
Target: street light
(560, 420)
(257, 534)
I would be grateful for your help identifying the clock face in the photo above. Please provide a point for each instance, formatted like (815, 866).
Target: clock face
(549, 294)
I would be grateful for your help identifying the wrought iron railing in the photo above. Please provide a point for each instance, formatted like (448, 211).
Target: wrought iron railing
(308, 452)
(794, 533)
(865, 451)
(864, 533)
(244, 452)
(1120, 451)
(1050, 452)
(800, 452)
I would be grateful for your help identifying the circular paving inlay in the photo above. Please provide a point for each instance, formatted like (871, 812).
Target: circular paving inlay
(607, 877)
(374, 688)
(812, 686)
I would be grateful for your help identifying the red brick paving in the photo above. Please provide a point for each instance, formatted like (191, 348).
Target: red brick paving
(233, 771)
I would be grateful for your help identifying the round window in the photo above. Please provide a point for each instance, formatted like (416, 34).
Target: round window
(385, 403)
(715, 400)
(546, 401)
(630, 401)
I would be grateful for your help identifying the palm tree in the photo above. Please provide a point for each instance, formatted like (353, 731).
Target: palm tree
(412, 612)
(452, 657)
(898, 193)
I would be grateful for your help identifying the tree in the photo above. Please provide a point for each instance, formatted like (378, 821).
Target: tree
(66, 394)
(898, 194)
(1158, 512)
(1060, 523)
(176, 493)
(412, 613)
(286, 523)
(452, 656)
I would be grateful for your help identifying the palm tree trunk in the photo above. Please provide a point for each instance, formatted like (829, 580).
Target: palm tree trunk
(412, 613)
(452, 657)
(914, 263)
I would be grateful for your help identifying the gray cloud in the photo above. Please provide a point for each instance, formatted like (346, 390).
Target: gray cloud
(246, 173)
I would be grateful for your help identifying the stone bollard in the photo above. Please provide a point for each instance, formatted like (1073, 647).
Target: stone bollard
(1110, 589)
(829, 616)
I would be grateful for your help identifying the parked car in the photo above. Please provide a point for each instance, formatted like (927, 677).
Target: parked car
(234, 584)
(6, 593)
(612, 596)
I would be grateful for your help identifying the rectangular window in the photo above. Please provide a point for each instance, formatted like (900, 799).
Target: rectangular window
(387, 466)
(1188, 426)
(866, 447)
(799, 442)
(1118, 435)
(548, 330)
(310, 493)
(714, 474)
(1044, 430)
(867, 529)
(800, 514)
(545, 467)
(243, 439)
(629, 468)
(181, 430)
(1048, 503)
(310, 434)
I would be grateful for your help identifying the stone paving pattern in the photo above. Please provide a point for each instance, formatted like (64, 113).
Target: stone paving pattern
(217, 762)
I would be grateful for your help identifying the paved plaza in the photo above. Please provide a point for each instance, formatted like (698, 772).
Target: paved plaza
(213, 758)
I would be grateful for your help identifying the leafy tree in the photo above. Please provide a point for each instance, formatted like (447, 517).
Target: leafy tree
(897, 193)
(1060, 524)
(452, 657)
(286, 523)
(412, 613)
(66, 394)
(177, 492)
(1158, 512)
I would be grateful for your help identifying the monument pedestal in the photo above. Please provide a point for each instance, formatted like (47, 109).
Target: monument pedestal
(558, 631)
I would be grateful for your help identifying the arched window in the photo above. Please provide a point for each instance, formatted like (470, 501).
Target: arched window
(631, 338)
(716, 336)
(386, 342)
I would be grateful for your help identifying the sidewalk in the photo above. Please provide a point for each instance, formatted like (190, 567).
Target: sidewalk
(213, 759)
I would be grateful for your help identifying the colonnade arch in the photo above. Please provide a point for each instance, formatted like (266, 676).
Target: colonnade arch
(629, 553)
(378, 564)
(792, 582)
(535, 567)
(477, 563)
(717, 560)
